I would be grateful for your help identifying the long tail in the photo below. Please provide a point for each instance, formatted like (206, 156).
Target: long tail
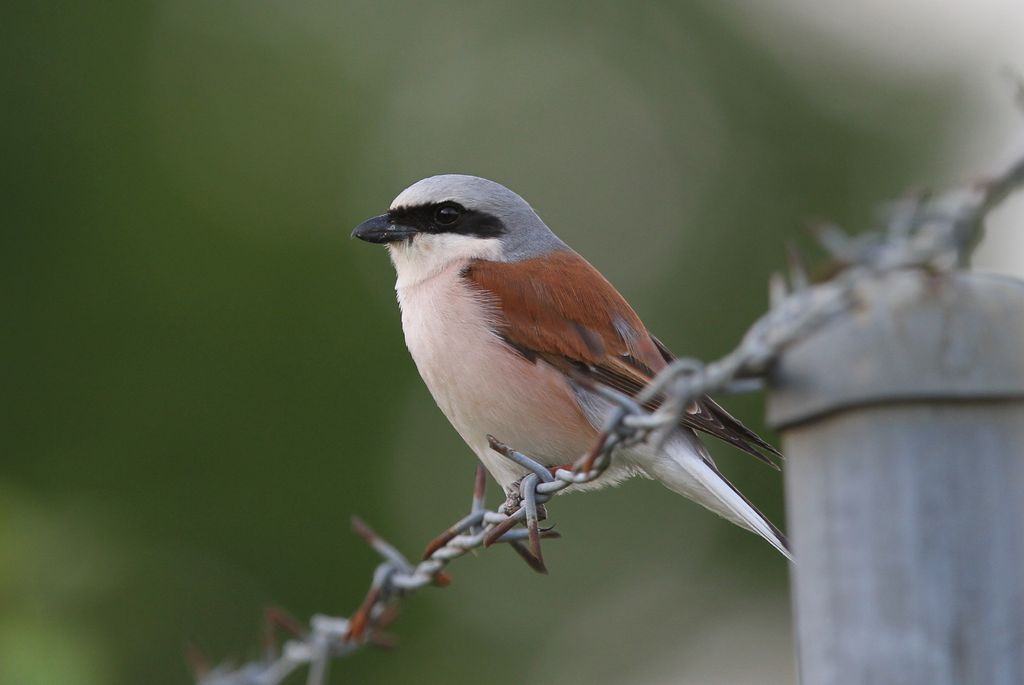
(685, 466)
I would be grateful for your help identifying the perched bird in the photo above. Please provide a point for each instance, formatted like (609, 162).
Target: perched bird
(510, 330)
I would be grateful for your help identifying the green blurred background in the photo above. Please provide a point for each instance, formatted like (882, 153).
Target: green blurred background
(203, 378)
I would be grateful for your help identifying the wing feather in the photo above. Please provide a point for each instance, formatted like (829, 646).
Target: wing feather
(560, 309)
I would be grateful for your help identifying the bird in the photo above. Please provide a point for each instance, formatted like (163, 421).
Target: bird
(512, 331)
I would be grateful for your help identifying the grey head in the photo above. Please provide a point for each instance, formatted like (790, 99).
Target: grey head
(457, 209)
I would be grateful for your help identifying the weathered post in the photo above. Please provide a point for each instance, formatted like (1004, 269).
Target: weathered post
(903, 425)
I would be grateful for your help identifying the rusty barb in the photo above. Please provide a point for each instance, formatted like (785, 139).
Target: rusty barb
(936, 233)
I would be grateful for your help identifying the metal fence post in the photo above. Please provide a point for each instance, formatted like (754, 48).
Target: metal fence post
(903, 425)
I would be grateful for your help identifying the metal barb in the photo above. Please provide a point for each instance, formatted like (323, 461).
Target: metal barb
(798, 277)
(519, 458)
(505, 526)
(275, 618)
(777, 289)
(379, 545)
(526, 555)
(360, 620)
(197, 661)
(479, 489)
(528, 488)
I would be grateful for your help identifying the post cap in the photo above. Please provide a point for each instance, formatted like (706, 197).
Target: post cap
(914, 336)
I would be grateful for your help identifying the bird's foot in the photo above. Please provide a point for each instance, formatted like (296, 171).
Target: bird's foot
(514, 500)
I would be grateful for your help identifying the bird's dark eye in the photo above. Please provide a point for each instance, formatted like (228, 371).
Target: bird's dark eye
(446, 215)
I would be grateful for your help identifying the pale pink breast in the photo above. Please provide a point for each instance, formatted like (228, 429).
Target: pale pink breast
(481, 385)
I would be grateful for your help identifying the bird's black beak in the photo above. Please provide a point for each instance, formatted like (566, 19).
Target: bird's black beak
(381, 229)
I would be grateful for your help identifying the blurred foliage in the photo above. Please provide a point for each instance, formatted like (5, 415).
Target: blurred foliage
(203, 378)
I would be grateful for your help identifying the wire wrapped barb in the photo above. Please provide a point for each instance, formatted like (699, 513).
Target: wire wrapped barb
(396, 577)
(936, 233)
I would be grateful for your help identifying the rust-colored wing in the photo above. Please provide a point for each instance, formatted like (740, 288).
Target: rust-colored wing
(560, 309)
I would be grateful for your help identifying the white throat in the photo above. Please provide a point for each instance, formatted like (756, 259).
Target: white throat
(429, 254)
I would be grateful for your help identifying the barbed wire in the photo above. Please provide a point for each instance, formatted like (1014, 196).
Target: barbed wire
(934, 233)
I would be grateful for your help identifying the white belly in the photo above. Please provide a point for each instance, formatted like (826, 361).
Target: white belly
(481, 385)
